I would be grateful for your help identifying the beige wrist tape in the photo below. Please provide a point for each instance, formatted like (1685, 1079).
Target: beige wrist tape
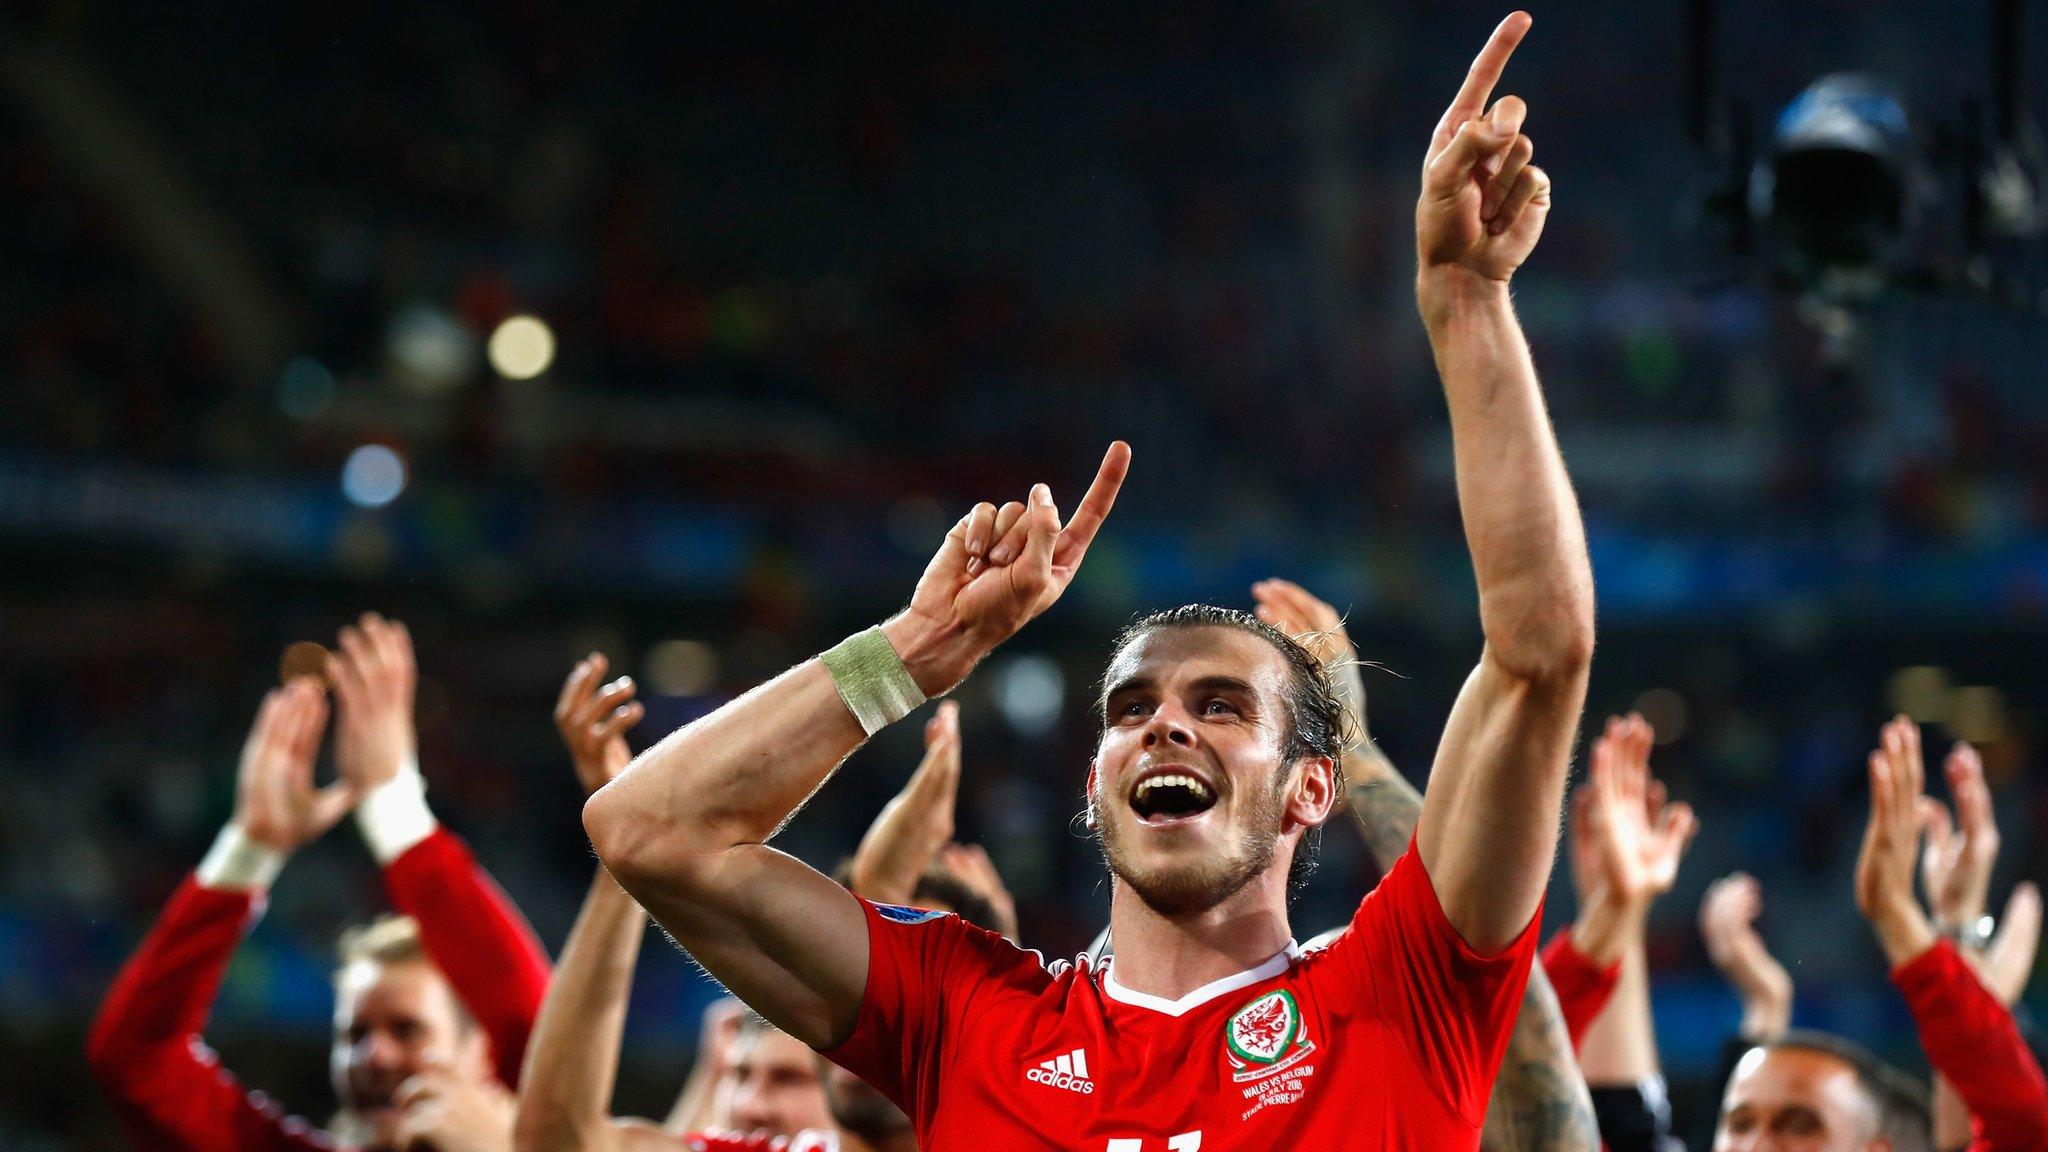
(872, 680)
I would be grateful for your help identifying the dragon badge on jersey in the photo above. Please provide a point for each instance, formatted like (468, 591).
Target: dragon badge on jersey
(1266, 1036)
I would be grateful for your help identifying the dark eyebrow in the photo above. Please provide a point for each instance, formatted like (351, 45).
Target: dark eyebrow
(1225, 684)
(1128, 684)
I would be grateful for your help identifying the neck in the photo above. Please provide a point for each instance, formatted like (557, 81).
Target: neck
(1171, 956)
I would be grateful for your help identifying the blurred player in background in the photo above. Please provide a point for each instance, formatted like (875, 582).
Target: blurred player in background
(432, 1008)
(1219, 754)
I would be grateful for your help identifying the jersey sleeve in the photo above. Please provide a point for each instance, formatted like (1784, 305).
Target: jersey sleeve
(167, 1087)
(477, 938)
(1451, 1006)
(1583, 987)
(1972, 1039)
(929, 974)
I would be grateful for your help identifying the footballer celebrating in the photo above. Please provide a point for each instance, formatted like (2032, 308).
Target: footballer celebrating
(1219, 753)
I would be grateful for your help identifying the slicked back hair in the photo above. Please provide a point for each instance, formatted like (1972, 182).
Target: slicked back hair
(1318, 724)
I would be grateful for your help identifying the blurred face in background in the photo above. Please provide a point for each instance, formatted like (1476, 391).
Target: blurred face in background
(1190, 793)
(391, 1021)
(1797, 1100)
(772, 1084)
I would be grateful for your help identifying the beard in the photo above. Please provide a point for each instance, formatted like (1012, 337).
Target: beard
(1182, 889)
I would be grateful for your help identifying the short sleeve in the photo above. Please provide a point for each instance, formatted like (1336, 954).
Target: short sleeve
(1452, 1006)
(925, 973)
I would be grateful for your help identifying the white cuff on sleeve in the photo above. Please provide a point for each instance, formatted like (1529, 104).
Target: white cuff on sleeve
(237, 863)
(395, 816)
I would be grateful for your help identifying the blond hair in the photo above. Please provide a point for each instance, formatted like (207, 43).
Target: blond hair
(392, 939)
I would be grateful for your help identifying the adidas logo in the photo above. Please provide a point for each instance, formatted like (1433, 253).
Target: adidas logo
(1069, 1072)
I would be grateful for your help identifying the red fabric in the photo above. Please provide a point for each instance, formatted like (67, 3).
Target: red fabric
(1389, 1037)
(1583, 988)
(168, 1088)
(477, 938)
(1971, 1039)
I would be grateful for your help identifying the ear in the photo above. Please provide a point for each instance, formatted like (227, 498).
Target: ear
(1088, 816)
(473, 1055)
(1312, 791)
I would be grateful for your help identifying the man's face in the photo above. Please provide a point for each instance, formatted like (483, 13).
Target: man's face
(774, 1085)
(1797, 1100)
(1189, 791)
(390, 1022)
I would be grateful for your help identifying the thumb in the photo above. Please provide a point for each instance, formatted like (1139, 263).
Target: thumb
(331, 803)
(1450, 171)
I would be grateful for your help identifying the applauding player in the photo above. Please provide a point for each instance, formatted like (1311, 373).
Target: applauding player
(432, 1008)
(1220, 751)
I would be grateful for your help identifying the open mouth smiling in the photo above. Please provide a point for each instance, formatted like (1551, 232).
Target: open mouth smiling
(1170, 795)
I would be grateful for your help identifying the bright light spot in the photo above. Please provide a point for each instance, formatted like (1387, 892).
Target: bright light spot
(430, 352)
(305, 388)
(522, 348)
(1920, 692)
(1666, 712)
(681, 667)
(1029, 691)
(373, 476)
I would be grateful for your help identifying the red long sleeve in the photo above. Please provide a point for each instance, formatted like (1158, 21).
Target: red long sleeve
(1971, 1039)
(168, 1088)
(1582, 987)
(477, 938)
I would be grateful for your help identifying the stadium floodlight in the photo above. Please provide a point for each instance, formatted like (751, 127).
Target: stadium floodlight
(1836, 195)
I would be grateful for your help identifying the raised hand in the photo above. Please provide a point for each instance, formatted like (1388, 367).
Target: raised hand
(997, 570)
(917, 822)
(594, 721)
(1955, 865)
(1728, 915)
(276, 803)
(1483, 204)
(1642, 838)
(446, 1114)
(2008, 961)
(971, 864)
(1317, 626)
(1891, 844)
(374, 678)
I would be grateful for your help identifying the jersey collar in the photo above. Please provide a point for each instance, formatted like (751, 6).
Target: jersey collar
(1207, 992)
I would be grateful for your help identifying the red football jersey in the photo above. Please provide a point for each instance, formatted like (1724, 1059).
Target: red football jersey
(1387, 1038)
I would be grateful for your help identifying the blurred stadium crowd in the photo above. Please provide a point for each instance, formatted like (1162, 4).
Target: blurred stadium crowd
(812, 280)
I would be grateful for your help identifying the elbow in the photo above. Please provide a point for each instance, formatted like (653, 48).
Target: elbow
(610, 824)
(107, 1053)
(1552, 650)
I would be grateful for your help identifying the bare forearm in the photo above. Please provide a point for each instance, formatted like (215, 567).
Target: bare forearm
(1521, 518)
(1540, 1102)
(1385, 805)
(573, 1061)
(1621, 1046)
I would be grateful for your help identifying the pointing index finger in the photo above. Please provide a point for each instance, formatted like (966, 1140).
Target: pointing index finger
(1486, 72)
(1094, 508)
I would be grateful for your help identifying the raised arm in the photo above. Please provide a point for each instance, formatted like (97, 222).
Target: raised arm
(1539, 1101)
(917, 823)
(167, 1087)
(1489, 819)
(1969, 1035)
(1728, 915)
(472, 931)
(685, 827)
(565, 1088)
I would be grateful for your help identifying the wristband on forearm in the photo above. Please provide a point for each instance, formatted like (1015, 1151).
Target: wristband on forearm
(872, 680)
(394, 815)
(238, 863)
